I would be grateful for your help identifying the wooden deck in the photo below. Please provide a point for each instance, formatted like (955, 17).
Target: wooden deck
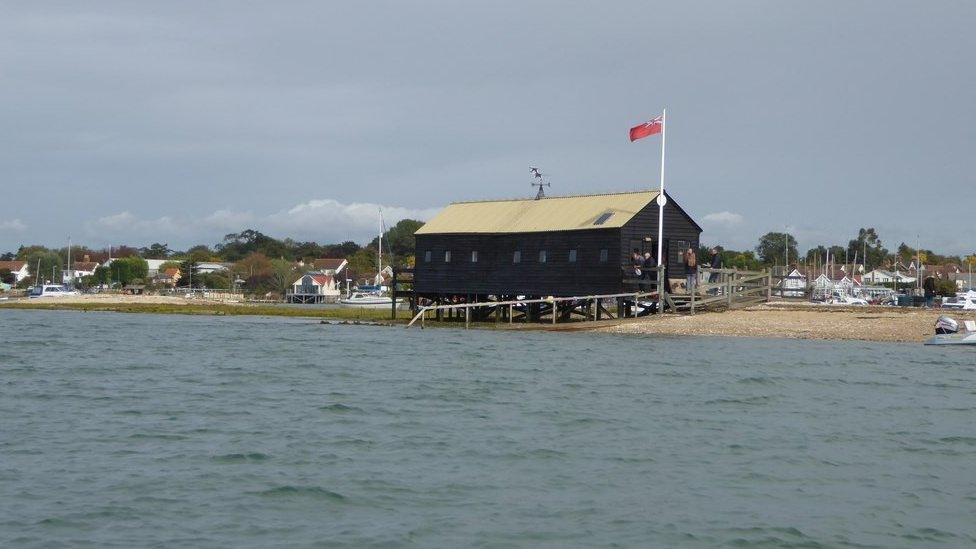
(732, 289)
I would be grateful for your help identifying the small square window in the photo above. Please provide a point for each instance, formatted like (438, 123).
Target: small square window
(517, 256)
(572, 255)
(447, 256)
(427, 255)
(603, 255)
(542, 256)
(474, 256)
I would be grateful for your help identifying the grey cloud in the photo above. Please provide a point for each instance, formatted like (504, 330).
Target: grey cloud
(830, 115)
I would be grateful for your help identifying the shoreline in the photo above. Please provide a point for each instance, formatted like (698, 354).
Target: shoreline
(798, 321)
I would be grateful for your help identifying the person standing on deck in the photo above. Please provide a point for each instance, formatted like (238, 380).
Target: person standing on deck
(650, 268)
(715, 263)
(691, 269)
(636, 261)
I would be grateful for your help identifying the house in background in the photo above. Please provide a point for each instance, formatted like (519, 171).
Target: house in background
(169, 277)
(79, 270)
(207, 267)
(16, 268)
(322, 285)
(314, 288)
(794, 284)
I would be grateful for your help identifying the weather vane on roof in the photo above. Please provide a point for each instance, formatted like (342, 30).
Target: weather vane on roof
(539, 182)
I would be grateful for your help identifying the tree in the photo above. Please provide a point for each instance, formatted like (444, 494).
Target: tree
(399, 239)
(818, 254)
(103, 275)
(7, 277)
(156, 251)
(127, 270)
(344, 249)
(201, 252)
(363, 263)
(946, 288)
(283, 273)
(867, 242)
(970, 260)
(256, 271)
(905, 253)
(746, 260)
(9, 256)
(773, 246)
(49, 262)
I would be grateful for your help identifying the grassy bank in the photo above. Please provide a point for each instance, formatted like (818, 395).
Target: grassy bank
(215, 309)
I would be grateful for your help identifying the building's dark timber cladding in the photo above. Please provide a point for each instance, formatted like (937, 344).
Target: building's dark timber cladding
(496, 271)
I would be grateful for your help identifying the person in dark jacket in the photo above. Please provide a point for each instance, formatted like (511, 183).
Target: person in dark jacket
(928, 286)
(714, 263)
(649, 268)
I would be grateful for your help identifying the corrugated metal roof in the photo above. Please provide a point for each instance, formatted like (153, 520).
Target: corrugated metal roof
(558, 213)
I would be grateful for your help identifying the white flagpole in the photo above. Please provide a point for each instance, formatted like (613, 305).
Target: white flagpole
(661, 199)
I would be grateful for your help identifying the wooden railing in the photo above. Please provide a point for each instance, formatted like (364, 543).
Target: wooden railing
(732, 288)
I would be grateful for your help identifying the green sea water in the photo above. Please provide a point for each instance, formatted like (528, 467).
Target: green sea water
(179, 431)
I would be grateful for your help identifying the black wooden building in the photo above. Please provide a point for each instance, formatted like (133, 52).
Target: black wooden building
(558, 246)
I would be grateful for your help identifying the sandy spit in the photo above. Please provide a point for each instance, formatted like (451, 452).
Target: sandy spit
(861, 324)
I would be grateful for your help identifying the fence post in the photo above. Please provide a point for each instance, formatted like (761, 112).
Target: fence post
(661, 285)
(769, 286)
(729, 277)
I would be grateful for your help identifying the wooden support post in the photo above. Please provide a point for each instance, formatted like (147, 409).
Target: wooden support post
(599, 311)
(692, 292)
(769, 285)
(662, 284)
(555, 310)
(467, 317)
(511, 313)
(728, 288)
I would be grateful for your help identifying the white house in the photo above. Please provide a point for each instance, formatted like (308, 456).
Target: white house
(314, 287)
(795, 284)
(207, 267)
(882, 276)
(16, 268)
(79, 270)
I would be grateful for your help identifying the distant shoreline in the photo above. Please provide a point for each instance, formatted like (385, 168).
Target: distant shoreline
(876, 324)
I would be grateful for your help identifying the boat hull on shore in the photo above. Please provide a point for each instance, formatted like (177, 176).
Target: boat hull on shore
(953, 339)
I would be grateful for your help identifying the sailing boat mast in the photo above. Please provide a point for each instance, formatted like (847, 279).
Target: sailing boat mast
(379, 254)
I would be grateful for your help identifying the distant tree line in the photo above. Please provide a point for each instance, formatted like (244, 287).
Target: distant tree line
(866, 248)
(258, 262)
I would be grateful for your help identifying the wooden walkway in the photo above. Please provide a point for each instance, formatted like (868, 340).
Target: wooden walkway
(731, 289)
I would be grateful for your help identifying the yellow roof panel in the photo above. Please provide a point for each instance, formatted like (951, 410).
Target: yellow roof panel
(558, 213)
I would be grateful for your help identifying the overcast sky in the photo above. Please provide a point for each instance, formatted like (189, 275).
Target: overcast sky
(134, 122)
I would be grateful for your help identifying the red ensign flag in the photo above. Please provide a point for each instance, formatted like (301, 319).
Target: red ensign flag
(650, 127)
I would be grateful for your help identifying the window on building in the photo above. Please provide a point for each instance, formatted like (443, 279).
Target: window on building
(427, 255)
(603, 218)
(542, 256)
(604, 254)
(572, 255)
(474, 256)
(447, 256)
(517, 256)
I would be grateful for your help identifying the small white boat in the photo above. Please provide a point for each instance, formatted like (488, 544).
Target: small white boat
(947, 333)
(368, 300)
(51, 290)
(963, 300)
